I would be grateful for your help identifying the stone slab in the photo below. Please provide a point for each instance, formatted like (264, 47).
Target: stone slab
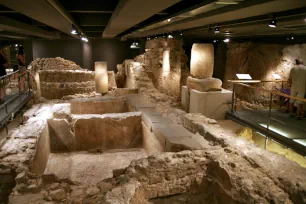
(204, 84)
(99, 105)
(211, 104)
(202, 60)
(61, 137)
(136, 101)
(175, 137)
(108, 131)
(150, 120)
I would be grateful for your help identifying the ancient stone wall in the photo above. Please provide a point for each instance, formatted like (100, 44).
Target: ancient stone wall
(260, 61)
(58, 83)
(166, 64)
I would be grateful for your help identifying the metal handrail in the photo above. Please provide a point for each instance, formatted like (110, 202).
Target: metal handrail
(270, 92)
(7, 76)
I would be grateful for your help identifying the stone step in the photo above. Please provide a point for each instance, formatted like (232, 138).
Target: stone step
(176, 138)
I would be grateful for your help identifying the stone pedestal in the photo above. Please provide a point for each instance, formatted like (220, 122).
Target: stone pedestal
(202, 60)
(185, 98)
(203, 84)
(101, 77)
(211, 104)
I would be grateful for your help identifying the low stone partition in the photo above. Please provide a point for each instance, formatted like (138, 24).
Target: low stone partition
(108, 131)
(66, 76)
(51, 90)
(99, 105)
(57, 83)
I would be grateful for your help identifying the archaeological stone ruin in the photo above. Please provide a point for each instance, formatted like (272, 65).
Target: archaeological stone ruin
(145, 141)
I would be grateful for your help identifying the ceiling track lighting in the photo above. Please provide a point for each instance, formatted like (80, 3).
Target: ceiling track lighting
(135, 45)
(226, 40)
(84, 39)
(217, 29)
(272, 23)
(74, 30)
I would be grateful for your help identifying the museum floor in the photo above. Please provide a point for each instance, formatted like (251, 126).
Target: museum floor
(280, 123)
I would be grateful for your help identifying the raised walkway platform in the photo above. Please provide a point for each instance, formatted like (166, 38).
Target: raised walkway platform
(285, 130)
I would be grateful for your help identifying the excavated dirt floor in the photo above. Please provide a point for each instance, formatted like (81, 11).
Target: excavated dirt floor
(84, 167)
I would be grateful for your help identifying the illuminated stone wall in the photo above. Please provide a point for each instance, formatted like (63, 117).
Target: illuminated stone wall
(165, 62)
(260, 61)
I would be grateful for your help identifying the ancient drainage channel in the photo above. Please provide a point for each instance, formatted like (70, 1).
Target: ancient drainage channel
(99, 137)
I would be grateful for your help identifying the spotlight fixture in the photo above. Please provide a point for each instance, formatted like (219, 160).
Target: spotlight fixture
(181, 33)
(74, 30)
(272, 23)
(169, 20)
(134, 45)
(170, 36)
(84, 39)
(226, 40)
(217, 29)
(292, 38)
(16, 45)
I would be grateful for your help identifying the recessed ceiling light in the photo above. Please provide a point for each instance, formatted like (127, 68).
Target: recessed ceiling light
(217, 29)
(226, 40)
(272, 23)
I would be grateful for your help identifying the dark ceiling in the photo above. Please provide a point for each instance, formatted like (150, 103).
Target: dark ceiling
(53, 19)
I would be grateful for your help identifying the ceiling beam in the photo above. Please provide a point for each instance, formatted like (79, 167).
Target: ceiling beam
(243, 10)
(57, 6)
(14, 26)
(41, 11)
(131, 12)
(82, 11)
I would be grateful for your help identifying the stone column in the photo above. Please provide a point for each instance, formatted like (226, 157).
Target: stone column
(37, 81)
(101, 77)
(202, 60)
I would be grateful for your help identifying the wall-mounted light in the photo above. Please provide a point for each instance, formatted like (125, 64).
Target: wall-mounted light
(73, 30)
(217, 29)
(170, 36)
(181, 33)
(292, 38)
(272, 23)
(226, 40)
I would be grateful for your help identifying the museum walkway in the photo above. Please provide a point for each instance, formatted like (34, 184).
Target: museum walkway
(271, 122)
(16, 98)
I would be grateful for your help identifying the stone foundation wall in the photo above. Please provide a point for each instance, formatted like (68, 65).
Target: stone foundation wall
(99, 106)
(260, 61)
(108, 131)
(59, 90)
(165, 62)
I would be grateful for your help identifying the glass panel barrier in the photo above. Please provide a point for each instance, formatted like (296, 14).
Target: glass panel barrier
(18, 91)
(266, 111)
